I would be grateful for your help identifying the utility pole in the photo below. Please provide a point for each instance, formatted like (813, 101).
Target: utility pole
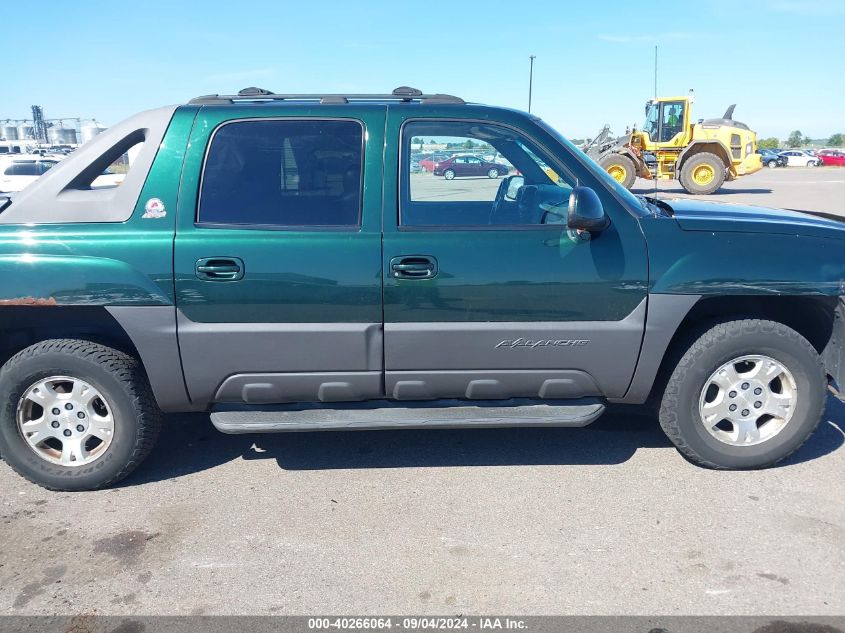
(530, 80)
(655, 71)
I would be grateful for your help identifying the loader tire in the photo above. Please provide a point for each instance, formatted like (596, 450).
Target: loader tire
(620, 167)
(702, 174)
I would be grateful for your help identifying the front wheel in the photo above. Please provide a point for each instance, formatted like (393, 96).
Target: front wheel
(620, 167)
(702, 174)
(745, 395)
(75, 415)
(772, 164)
(449, 174)
(493, 173)
(811, 163)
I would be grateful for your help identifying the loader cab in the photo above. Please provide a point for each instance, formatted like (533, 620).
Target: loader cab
(667, 122)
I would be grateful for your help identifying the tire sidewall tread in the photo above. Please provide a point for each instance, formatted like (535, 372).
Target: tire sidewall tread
(679, 415)
(630, 168)
(121, 380)
(685, 176)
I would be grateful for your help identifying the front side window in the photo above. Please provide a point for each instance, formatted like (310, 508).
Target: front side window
(673, 118)
(283, 173)
(506, 181)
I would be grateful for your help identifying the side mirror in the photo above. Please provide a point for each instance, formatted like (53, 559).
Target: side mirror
(513, 186)
(585, 211)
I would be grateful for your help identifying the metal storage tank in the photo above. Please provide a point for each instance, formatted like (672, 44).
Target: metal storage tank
(90, 130)
(59, 135)
(26, 131)
(9, 132)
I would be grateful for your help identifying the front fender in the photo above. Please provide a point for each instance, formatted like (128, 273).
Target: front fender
(742, 263)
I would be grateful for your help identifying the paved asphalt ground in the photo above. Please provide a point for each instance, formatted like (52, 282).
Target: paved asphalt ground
(812, 188)
(603, 520)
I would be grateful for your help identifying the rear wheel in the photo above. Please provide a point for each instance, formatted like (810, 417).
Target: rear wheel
(702, 174)
(449, 174)
(745, 395)
(75, 415)
(620, 167)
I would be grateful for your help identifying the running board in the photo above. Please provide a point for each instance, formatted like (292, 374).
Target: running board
(386, 414)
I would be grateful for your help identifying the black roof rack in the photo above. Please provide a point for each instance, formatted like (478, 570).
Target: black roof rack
(403, 94)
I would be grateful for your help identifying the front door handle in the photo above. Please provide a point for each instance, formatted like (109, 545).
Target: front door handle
(220, 269)
(413, 267)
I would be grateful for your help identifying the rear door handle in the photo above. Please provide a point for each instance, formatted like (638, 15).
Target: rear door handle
(220, 269)
(413, 267)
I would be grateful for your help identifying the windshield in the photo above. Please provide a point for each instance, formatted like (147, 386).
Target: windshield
(635, 202)
(652, 115)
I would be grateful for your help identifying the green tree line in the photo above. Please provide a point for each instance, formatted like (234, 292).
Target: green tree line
(797, 139)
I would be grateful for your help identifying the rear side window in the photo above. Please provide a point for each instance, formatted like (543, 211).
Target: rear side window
(283, 173)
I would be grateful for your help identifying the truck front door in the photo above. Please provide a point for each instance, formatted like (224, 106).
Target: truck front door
(487, 293)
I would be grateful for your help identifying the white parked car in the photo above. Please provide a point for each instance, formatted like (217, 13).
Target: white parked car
(799, 158)
(19, 170)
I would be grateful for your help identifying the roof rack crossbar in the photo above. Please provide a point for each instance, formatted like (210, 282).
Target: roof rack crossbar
(403, 94)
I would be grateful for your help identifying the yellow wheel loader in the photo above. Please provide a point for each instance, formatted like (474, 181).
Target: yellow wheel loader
(700, 155)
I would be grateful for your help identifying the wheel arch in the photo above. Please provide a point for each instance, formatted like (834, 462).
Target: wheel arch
(697, 147)
(819, 319)
(145, 332)
(22, 326)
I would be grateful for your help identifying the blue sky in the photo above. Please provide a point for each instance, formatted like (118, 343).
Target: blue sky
(781, 61)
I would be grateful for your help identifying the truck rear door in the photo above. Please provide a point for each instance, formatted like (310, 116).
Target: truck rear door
(278, 254)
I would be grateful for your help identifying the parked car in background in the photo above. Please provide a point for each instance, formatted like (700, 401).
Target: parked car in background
(799, 158)
(832, 157)
(469, 166)
(771, 158)
(429, 162)
(20, 170)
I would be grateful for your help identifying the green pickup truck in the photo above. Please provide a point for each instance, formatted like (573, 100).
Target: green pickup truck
(283, 263)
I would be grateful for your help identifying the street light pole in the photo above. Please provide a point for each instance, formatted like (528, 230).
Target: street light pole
(530, 81)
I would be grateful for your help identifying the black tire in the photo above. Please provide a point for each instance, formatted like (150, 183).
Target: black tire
(117, 376)
(679, 410)
(772, 164)
(449, 174)
(493, 173)
(624, 164)
(694, 162)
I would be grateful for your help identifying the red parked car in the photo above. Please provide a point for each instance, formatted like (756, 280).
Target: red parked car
(832, 157)
(430, 162)
(469, 166)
